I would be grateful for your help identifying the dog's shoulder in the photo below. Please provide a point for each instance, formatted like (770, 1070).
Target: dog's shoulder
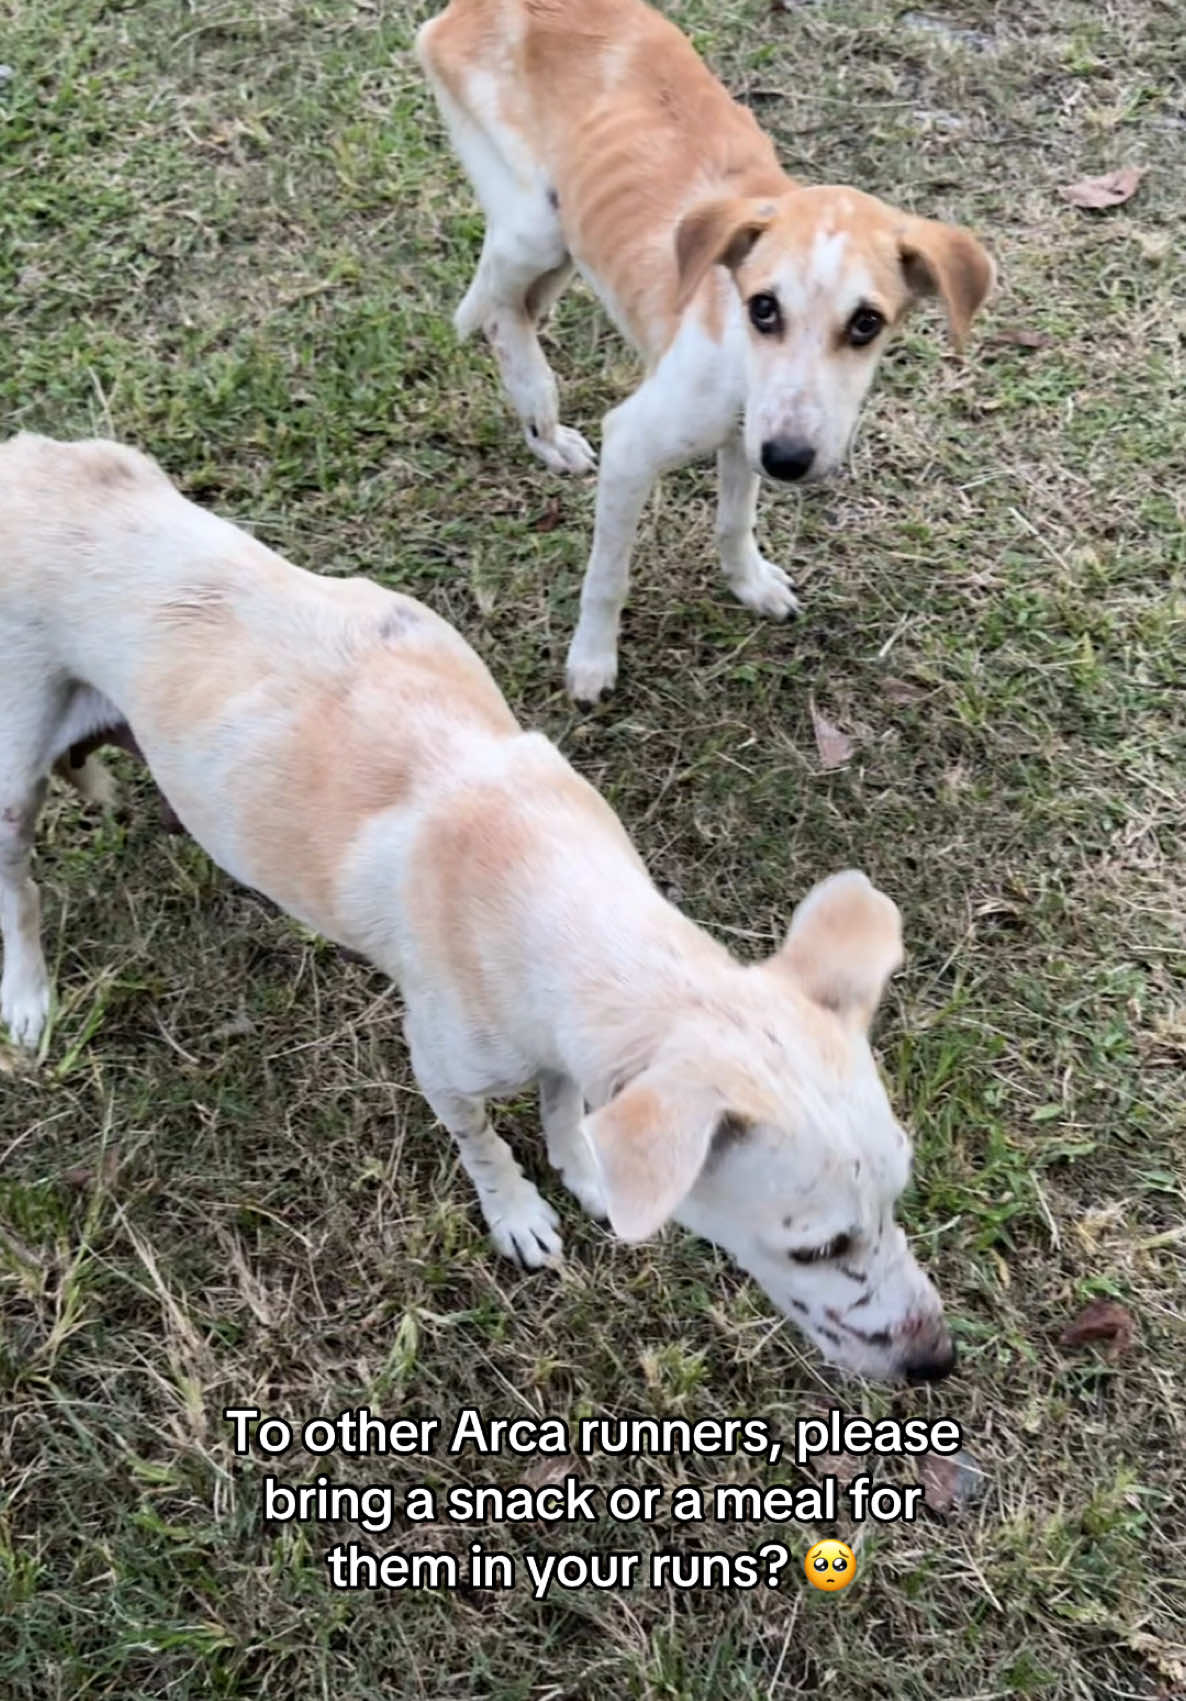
(90, 468)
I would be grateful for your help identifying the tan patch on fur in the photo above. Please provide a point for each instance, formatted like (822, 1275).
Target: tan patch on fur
(843, 947)
(944, 260)
(213, 646)
(717, 233)
(641, 143)
(626, 119)
(204, 661)
(358, 746)
(469, 857)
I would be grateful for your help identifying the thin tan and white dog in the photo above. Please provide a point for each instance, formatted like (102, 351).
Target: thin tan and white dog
(594, 135)
(342, 749)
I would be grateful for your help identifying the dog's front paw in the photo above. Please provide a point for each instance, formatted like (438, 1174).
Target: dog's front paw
(586, 1189)
(589, 674)
(24, 1008)
(767, 588)
(523, 1225)
(564, 451)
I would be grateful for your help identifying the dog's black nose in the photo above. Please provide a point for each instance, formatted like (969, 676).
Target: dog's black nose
(787, 457)
(932, 1366)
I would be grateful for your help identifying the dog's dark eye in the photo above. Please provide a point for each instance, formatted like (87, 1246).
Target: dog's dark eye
(865, 324)
(838, 1248)
(765, 314)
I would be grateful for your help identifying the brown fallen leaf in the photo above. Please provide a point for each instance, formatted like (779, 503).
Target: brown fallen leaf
(1016, 337)
(1110, 190)
(835, 747)
(903, 690)
(1102, 1320)
(949, 1481)
(551, 517)
(548, 1468)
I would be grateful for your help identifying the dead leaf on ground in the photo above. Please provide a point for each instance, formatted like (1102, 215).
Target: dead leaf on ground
(1110, 190)
(1102, 1320)
(835, 747)
(549, 1467)
(102, 1171)
(949, 1481)
(904, 690)
(551, 517)
(1018, 337)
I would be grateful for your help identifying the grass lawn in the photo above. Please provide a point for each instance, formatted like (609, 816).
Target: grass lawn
(231, 233)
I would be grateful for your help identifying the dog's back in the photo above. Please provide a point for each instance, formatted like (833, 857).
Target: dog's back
(51, 495)
(609, 106)
(276, 709)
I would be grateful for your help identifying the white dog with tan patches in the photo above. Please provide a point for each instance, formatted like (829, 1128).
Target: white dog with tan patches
(342, 749)
(593, 135)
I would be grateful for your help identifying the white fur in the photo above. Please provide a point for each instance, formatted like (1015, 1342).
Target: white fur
(550, 958)
(798, 387)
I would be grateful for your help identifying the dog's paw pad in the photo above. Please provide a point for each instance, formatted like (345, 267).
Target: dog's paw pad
(589, 678)
(769, 590)
(24, 1009)
(523, 1226)
(565, 451)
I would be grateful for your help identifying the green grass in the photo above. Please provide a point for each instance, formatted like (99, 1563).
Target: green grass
(232, 234)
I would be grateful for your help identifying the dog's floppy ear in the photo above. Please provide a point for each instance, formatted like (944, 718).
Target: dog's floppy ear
(717, 233)
(946, 260)
(650, 1143)
(845, 941)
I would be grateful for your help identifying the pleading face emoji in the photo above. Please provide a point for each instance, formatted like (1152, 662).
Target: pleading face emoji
(830, 1566)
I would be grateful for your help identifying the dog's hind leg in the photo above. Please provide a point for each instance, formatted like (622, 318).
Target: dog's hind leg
(24, 981)
(524, 267)
(44, 718)
(32, 703)
(522, 271)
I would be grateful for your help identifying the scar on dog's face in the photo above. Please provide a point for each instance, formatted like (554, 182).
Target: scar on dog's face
(767, 1129)
(825, 275)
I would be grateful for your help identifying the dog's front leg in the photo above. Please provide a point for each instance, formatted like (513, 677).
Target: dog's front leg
(561, 1107)
(685, 409)
(522, 1225)
(631, 460)
(755, 581)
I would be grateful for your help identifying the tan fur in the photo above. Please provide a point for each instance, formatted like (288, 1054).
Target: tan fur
(644, 145)
(842, 952)
(595, 137)
(630, 121)
(361, 744)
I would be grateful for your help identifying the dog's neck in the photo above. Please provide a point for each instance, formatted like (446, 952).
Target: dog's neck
(641, 970)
